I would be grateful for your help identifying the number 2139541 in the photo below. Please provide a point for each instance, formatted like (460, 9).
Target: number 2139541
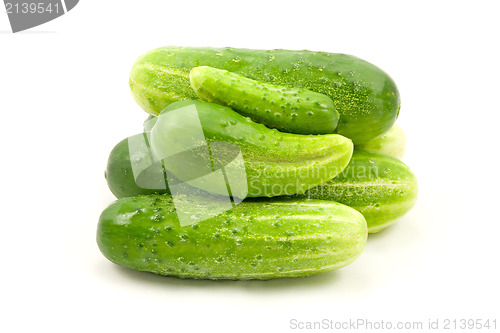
(470, 324)
(32, 8)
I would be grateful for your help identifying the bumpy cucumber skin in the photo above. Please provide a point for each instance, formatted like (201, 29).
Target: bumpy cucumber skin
(381, 187)
(289, 110)
(276, 163)
(119, 174)
(392, 143)
(366, 98)
(255, 240)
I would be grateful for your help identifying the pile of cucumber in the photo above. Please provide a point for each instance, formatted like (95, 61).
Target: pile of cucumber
(320, 150)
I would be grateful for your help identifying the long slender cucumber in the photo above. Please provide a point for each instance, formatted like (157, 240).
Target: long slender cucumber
(290, 110)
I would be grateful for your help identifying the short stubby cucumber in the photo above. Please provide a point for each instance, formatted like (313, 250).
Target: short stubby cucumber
(148, 177)
(292, 110)
(366, 98)
(392, 143)
(255, 240)
(381, 187)
(276, 163)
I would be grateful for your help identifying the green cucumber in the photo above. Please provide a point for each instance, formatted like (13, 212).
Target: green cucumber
(255, 240)
(121, 164)
(392, 143)
(366, 98)
(290, 110)
(276, 163)
(149, 123)
(381, 187)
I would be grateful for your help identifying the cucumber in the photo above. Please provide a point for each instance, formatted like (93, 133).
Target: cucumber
(121, 164)
(290, 110)
(255, 240)
(366, 98)
(392, 143)
(149, 123)
(381, 187)
(276, 163)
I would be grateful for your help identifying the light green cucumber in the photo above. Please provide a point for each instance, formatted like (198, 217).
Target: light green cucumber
(381, 187)
(392, 143)
(275, 163)
(255, 240)
(366, 98)
(292, 110)
(149, 123)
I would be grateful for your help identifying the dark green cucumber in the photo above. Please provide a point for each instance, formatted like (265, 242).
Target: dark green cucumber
(255, 240)
(276, 163)
(392, 143)
(366, 98)
(121, 164)
(292, 110)
(381, 187)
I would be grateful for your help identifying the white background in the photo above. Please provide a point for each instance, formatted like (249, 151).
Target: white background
(65, 102)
